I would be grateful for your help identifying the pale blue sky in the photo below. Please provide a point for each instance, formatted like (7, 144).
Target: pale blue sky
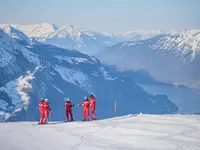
(104, 15)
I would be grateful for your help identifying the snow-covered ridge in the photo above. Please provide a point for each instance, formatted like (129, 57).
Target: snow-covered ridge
(9, 46)
(64, 31)
(34, 30)
(91, 42)
(7, 42)
(15, 33)
(182, 44)
(46, 30)
(141, 34)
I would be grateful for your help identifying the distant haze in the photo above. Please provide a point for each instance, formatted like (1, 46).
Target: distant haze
(104, 15)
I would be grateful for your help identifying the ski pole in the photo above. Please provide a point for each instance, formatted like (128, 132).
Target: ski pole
(50, 116)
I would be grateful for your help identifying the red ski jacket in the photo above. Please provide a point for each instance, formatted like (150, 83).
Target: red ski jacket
(41, 106)
(68, 105)
(92, 103)
(47, 106)
(85, 104)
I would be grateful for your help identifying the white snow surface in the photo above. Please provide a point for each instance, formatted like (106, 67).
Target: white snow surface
(141, 132)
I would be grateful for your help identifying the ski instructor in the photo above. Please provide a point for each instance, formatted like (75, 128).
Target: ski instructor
(86, 105)
(92, 106)
(69, 106)
(41, 110)
(46, 111)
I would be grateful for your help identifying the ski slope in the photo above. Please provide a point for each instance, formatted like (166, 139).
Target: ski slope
(141, 132)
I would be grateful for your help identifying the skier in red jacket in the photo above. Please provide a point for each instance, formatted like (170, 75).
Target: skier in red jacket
(46, 110)
(41, 110)
(85, 105)
(69, 106)
(92, 106)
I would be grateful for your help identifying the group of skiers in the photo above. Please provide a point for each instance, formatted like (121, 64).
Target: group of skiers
(89, 106)
(44, 109)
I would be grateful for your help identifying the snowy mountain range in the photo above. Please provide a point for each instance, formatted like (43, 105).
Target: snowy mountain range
(31, 70)
(178, 52)
(91, 42)
(67, 36)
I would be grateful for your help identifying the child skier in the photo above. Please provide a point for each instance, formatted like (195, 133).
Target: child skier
(69, 106)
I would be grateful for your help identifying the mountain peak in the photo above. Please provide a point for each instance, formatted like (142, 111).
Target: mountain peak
(67, 26)
(48, 25)
(15, 33)
(64, 31)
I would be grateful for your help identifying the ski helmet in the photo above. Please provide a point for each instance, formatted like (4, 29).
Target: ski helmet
(85, 97)
(46, 100)
(42, 99)
(68, 100)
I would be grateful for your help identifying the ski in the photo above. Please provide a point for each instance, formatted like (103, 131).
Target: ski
(60, 122)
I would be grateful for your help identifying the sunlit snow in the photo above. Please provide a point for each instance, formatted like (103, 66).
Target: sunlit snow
(142, 132)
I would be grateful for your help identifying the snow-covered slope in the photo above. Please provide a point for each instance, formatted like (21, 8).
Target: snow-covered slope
(184, 44)
(141, 34)
(36, 30)
(15, 59)
(142, 132)
(176, 51)
(15, 33)
(29, 72)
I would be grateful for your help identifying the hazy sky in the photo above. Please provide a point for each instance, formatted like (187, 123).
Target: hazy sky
(104, 15)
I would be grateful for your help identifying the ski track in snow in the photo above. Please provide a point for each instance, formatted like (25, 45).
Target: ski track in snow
(141, 132)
